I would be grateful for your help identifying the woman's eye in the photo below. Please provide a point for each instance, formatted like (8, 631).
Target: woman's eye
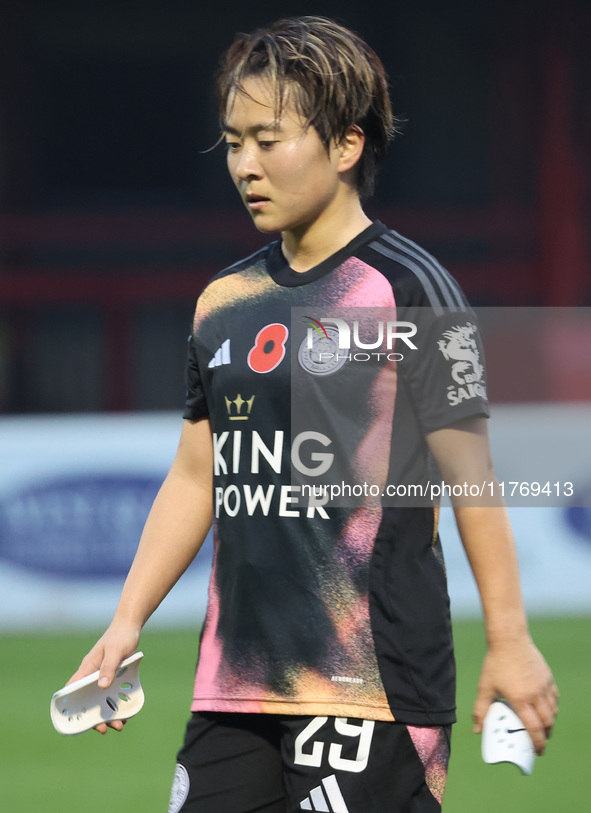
(266, 145)
(232, 146)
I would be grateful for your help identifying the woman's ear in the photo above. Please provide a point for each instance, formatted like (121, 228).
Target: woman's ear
(351, 148)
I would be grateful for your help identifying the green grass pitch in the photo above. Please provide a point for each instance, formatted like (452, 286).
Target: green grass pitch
(132, 771)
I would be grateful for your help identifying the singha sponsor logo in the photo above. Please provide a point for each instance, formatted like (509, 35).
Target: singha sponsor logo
(459, 346)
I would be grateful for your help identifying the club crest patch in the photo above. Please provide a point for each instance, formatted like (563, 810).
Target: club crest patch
(324, 356)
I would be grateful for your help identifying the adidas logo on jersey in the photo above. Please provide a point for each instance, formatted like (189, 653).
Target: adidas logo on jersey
(326, 797)
(222, 356)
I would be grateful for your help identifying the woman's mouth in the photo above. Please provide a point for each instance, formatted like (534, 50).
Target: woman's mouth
(256, 202)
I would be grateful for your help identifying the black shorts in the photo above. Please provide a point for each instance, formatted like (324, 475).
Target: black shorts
(266, 763)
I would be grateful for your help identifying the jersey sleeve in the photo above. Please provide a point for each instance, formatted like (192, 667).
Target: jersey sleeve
(195, 403)
(446, 374)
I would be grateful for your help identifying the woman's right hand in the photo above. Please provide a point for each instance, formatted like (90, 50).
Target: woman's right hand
(119, 642)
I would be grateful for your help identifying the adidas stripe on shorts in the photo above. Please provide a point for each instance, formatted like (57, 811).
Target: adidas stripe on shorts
(266, 763)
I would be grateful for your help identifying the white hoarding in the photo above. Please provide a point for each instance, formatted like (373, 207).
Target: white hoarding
(75, 492)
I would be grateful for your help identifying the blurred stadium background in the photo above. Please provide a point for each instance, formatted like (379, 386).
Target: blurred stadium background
(112, 217)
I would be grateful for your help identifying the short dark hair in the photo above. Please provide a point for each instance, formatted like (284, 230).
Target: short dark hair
(330, 73)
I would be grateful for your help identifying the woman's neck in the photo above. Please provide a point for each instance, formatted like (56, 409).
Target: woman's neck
(307, 247)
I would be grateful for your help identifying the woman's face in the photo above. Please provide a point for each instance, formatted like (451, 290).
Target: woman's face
(284, 174)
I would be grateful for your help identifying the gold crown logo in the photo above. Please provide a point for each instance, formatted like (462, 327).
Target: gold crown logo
(234, 408)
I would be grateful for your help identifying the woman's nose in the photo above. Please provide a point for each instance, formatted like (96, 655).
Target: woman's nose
(248, 165)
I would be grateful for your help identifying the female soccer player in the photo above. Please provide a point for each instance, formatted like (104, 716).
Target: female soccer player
(326, 676)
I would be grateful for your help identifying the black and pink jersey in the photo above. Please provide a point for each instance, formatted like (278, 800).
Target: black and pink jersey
(321, 606)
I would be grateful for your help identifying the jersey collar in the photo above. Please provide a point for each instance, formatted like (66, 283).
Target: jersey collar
(282, 274)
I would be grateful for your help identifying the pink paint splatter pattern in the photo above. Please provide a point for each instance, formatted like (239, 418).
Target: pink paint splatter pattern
(433, 749)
